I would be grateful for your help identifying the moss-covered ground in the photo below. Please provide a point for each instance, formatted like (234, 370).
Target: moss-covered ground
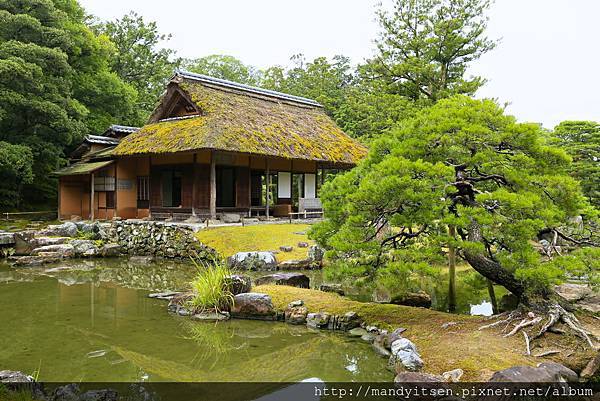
(460, 344)
(268, 237)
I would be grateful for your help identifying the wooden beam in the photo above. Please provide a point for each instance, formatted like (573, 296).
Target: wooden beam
(149, 187)
(92, 197)
(213, 186)
(58, 208)
(116, 205)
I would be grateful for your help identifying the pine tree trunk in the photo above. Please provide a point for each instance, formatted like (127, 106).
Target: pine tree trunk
(492, 294)
(451, 272)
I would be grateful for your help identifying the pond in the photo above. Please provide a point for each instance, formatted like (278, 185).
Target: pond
(92, 321)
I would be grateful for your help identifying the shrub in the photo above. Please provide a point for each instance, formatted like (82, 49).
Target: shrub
(211, 287)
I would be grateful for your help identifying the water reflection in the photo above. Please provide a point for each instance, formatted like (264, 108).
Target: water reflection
(90, 324)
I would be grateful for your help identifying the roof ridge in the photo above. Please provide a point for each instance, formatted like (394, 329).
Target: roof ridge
(246, 88)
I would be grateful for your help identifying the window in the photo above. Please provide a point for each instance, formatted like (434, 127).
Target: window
(143, 192)
(104, 184)
(110, 200)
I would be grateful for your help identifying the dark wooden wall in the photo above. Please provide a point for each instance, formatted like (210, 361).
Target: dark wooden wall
(242, 177)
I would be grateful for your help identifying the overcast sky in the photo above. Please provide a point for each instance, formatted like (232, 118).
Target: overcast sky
(546, 66)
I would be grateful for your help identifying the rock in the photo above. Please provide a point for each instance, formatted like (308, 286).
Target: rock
(543, 373)
(194, 220)
(448, 325)
(23, 242)
(316, 254)
(253, 261)
(296, 314)
(379, 348)
(36, 260)
(7, 238)
(573, 292)
(111, 250)
(64, 250)
(239, 284)
(335, 288)
(303, 245)
(415, 377)
(318, 320)
(357, 332)
(368, 337)
(99, 395)
(86, 227)
(297, 264)
(290, 279)
(68, 229)
(11, 376)
(453, 376)
(393, 336)
(211, 316)
(84, 248)
(591, 368)
(508, 302)
(405, 356)
(252, 305)
(230, 218)
(178, 309)
(591, 304)
(349, 321)
(286, 248)
(417, 299)
(70, 392)
(560, 372)
(165, 296)
(295, 304)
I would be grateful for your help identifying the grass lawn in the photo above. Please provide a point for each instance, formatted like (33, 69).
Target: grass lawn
(461, 345)
(265, 237)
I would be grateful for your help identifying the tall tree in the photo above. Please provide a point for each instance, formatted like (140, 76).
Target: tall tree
(139, 59)
(55, 84)
(581, 139)
(224, 67)
(15, 171)
(463, 163)
(426, 46)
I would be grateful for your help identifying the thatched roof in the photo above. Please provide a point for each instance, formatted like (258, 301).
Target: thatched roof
(83, 168)
(238, 118)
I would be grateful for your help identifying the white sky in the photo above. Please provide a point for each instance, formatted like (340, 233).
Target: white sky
(546, 67)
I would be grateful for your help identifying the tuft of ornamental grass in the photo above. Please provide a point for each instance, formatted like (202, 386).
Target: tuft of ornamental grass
(211, 288)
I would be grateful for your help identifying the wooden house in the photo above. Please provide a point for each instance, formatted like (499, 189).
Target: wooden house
(211, 146)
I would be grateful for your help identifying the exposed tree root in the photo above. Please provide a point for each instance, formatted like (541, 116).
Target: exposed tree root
(546, 353)
(555, 313)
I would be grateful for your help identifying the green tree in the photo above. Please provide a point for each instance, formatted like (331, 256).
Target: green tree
(426, 46)
(224, 67)
(54, 84)
(139, 59)
(460, 163)
(581, 139)
(16, 163)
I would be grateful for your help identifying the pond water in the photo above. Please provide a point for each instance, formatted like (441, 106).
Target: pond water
(92, 321)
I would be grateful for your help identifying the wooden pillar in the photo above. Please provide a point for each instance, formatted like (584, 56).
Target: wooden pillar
(150, 187)
(115, 211)
(268, 180)
(249, 186)
(92, 196)
(213, 186)
(58, 207)
(194, 187)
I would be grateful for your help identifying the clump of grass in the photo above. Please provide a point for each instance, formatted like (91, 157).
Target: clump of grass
(211, 287)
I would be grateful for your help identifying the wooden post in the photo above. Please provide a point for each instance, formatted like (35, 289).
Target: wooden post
(58, 208)
(149, 187)
(194, 186)
(268, 187)
(213, 186)
(115, 210)
(249, 186)
(92, 196)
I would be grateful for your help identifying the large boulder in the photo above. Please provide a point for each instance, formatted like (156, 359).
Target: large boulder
(253, 261)
(335, 288)
(239, 284)
(418, 299)
(7, 238)
(84, 248)
(297, 264)
(547, 372)
(252, 305)
(581, 295)
(348, 321)
(318, 320)
(405, 356)
(25, 242)
(63, 250)
(316, 254)
(111, 250)
(18, 381)
(67, 229)
(296, 313)
(290, 279)
(231, 218)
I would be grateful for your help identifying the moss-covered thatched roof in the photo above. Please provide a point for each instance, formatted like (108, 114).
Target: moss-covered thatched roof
(83, 168)
(237, 120)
